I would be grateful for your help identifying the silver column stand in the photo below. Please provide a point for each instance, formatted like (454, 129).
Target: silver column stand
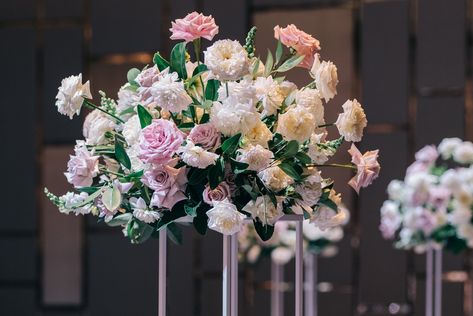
(310, 300)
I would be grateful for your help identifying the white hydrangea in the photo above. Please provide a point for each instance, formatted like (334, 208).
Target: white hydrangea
(96, 124)
(391, 219)
(270, 95)
(325, 217)
(326, 77)
(264, 210)
(169, 92)
(312, 232)
(275, 178)
(141, 211)
(257, 157)
(232, 117)
(71, 198)
(196, 156)
(296, 124)
(227, 60)
(71, 94)
(225, 218)
(131, 130)
(352, 121)
(463, 153)
(448, 145)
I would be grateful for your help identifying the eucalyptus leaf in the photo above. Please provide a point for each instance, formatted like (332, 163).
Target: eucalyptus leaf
(268, 65)
(174, 233)
(120, 220)
(290, 63)
(132, 74)
(178, 60)
(112, 198)
(144, 116)
(278, 54)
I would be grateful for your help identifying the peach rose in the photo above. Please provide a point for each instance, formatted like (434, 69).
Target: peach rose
(303, 43)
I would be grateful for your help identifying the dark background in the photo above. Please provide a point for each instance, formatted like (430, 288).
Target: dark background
(409, 62)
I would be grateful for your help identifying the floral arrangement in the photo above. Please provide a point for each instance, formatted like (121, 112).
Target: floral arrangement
(219, 138)
(280, 247)
(433, 206)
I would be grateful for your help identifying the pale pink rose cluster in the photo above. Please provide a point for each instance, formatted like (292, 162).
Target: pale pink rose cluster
(193, 26)
(304, 44)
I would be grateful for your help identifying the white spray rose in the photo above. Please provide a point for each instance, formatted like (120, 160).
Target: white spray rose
(196, 156)
(96, 124)
(169, 93)
(319, 154)
(326, 77)
(275, 179)
(264, 210)
(352, 121)
(71, 94)
(309, 99)
(141, 211)
(269, 93)
(257, 157)
(296, 124)
(310, 190)
(225, 218)
(260, 134)
(232, 117)
(243, 91)
(227, 60)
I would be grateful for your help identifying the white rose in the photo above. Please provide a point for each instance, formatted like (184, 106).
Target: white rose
(310, 190)
(141, 211)
(447, 146)
(463, 153)
(281, 255)
(71, 94)
(131, 130)
(227, 60)
(275, 178)
(169, 92)
(296, 124)
(269, 93)
(450, 179)
(232, 117)
(243, 91)
(352, 121)
(264, 210)
(225, 218)
(309, 99)
(319, 154)
(326, 77)
(196, 156)
(257, 157)
(96, 124)
(260, 134)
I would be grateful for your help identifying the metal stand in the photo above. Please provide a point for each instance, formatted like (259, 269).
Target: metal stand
(438, 282)
(433, 283)
(310, 300)
(162, 272)
(299, 270)
(277, 291)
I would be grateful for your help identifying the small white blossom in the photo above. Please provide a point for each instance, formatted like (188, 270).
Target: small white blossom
(70, 199)
(196, 156)
(141, 211)
(71, 94)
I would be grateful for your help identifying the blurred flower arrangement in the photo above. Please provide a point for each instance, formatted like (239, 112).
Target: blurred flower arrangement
(220, 139)
(433, 206)
(317, 240)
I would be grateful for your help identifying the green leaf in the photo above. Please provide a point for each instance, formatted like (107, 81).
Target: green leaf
(139, 232)
(176, 212)
(249, 189)
(88, 190)
(200, 222)
(191, 210)
(198, 71)
(329, 203)
(230, 145)
(255, 69)
(144, 116)
(134, 175)
(264, 231)
(268, 65)
(205, 118)
(197, 175)
(238, 166)
(216, 173)
(178, 60)
(304, 158)
(211, 90)
(186, 125)
(112, 198)
(278, 52)
(289, 170)
(121, 154)
(132, 74)
(89, 199)
(290, 63)
(174, 233)
(290, 98)
(160, 62)
(291, 148)
(120, 220)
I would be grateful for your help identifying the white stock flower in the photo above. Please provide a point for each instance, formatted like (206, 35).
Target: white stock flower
(169, 93)
(196, 156)
(269, 93)
(264, 210)
(257, 157)
(260, 134)
(232, 117)
(227, 60)
(131, 130)
(282, 255)
(225, 218)
(448, 145)
(141, 211)
(296, 124)
(352, 121)
(127, 98)
(463, 153)
(71, 198)
(71, 94)
(326, 77)
(275, 179)
(96, 124)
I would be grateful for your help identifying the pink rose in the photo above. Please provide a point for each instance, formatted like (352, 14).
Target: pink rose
(82, 167)
(367, 168)
(303, 43)
(425, 157)
(194, 26)
(168, 183)
(159, 141)
(205, 135)
(220, 193)
(146, 79)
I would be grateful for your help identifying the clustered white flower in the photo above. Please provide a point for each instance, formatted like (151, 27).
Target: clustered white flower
(432, 206)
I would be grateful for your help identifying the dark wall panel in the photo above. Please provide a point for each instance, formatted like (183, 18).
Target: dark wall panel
(19, 259)
(64, 8)
(385, 51)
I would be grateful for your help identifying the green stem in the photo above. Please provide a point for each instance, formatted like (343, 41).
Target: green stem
(326, 125)
(335, 165)
(196, 43)
(90, 105)
(105, 170)
(226, 88)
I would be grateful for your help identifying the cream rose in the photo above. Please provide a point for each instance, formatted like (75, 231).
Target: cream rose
(296, 124)
(225, 218)
(326, 77)
(352, 121)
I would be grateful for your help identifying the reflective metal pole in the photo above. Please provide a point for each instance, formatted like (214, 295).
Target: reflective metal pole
(162, 272)
(226, 276)
(428, 281)
(277, 291)
(234, 275)
(438, 282)
(299, 270)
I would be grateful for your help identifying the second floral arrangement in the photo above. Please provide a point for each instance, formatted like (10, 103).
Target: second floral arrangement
(222, 138)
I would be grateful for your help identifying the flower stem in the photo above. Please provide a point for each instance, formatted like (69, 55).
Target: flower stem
(90, 105)
(326, 125)
(226, 88)
(196, 43)
(335, 165)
